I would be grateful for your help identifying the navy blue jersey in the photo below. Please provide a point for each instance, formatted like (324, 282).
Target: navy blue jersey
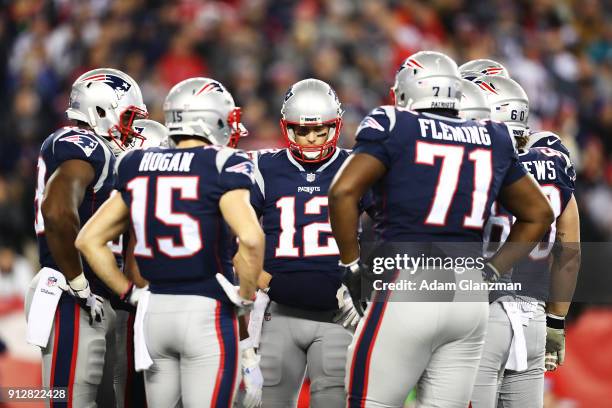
(182, 240)
(442, 175)
(291, 199)
(548, 139)
(72, 143)
(553, 170)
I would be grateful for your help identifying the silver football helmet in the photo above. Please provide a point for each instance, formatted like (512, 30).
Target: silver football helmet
(155, 133)
(311, 102)
(508, 102)
(203, 108)
(474, 105)
(109, 101)
(427, 80)
(479, 67)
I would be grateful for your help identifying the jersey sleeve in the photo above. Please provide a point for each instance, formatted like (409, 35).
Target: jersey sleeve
(515, 170)
(566, 177)
(373, 136)
(235, 171)
(74, 145)
(122, 174)
(258, 187)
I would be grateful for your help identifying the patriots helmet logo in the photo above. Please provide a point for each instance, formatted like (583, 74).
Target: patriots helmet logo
(411, 63)
(492, 70)
(87, 143)
(212, 86)
(245, 167)
(289, 94)
(119, 85)
(487, 86)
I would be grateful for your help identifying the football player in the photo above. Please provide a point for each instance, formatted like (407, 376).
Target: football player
(435, 177)
(181, 204)
(75, 176)
(302, 277)
(526, 335)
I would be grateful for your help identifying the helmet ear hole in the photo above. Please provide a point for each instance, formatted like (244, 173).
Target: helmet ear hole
(101, 112)
(220, 124)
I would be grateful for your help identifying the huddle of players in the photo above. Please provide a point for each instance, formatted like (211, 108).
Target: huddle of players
(179, 206)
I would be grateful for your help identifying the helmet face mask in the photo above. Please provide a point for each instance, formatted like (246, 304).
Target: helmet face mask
(203, 108)
(108, 100)
(155, 134)
(312, 153)
(427, 80)
(309, 104)
(123, 134)
(237, 129)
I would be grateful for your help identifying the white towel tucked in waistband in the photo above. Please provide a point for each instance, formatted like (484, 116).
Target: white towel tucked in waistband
(142, 359)
(517, 357)
(257, 315)
(51, 284)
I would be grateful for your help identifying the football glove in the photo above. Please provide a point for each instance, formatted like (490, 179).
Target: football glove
(132, 295)
(354, 272)
(92, 304)
(251, 375)
(347, 314)
(555, 341)
(233, 293)
(490, 273)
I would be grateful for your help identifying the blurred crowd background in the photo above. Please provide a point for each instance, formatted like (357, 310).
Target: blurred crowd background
(559, 50)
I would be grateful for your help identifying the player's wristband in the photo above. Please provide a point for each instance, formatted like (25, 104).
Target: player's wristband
(490, 273)
(555, 322)
(79, 283)
(352, 266)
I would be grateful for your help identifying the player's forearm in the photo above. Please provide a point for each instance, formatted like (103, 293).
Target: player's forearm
(130, 268)
(344, 219)
(248, 263)
(523, 237)
(263, 281)
(101, 259)
(62, 227)
(564, 274)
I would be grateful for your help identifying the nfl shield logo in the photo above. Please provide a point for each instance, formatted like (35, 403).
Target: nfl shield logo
(51, 281)
(310, 177)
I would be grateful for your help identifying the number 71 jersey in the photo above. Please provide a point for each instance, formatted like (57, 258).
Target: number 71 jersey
(291, 198)
(443, 173)
(182, 240)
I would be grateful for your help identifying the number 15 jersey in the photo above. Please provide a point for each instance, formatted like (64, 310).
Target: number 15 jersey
(182, 240)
